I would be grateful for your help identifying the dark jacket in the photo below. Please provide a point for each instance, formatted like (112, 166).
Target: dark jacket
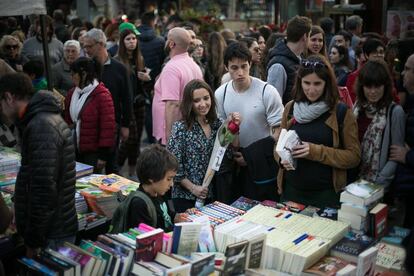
(152, 49)
(403, 184)
(116, 79)
(45, 184)
(290, 62)
(97, 129)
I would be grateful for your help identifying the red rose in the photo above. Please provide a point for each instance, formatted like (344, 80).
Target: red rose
(233, 127)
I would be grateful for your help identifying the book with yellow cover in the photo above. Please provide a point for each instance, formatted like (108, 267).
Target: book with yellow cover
(114, 183)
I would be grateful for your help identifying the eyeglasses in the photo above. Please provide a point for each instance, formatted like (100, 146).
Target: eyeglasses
(10, 47)
(312, 64)
(88, 46)
(199, 46)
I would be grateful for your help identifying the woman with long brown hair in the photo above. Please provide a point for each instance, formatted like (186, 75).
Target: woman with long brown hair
(130, 55)
(329, 147)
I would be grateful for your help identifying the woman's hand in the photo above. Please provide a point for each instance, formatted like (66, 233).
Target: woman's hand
(287, 166)
(235, 117)
(144, 76)
(199, 191)
(398, 153)
(301, 151)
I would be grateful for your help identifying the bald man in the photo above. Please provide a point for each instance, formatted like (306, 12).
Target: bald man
(168, 90)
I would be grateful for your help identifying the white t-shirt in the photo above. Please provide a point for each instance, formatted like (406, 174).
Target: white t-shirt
(259, 111)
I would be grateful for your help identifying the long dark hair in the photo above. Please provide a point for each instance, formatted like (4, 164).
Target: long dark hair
(88, 69)
(343, 56)
(136, 54)
(319, 65)
(374, 74)
(187, 112)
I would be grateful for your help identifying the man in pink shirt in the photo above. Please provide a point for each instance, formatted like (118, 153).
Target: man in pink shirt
(168, 90)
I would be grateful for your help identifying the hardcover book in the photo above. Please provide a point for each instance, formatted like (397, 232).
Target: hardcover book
(351, 246)
(185, 238)
(327, 266)
(236, 255)
(148, 245)
(378, 220)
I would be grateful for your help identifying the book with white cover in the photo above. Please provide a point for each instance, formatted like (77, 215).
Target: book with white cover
(362, 193)
(366, 262)
(287, 140)
(349, 270)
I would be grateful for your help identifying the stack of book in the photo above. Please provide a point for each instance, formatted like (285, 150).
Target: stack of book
(9, 160)
(217, 213)
(83, 169)
(357, 200)
(106, 256)
(90, 220)
(113, 183)
(80, 203)
(100, 202)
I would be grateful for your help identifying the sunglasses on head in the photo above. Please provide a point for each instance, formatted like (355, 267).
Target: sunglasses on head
(9, 47)
(312, 64)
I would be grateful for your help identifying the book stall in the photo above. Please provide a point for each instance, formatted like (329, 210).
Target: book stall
(247, 237)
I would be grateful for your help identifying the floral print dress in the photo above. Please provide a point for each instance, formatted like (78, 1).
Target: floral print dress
(192, 149)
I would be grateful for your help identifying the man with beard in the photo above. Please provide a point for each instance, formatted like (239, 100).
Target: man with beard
(179, 71)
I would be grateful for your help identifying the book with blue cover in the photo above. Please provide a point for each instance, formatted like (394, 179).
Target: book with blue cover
(83, 169)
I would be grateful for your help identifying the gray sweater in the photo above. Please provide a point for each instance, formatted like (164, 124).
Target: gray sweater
(32, 48)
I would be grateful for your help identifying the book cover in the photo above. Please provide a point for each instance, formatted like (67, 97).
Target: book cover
(294, 206)
(378, 220)
(83, 169)
(32, 267)
(148, 245)
(366, 262)
(244, 203)
(327, 266)
(390, 257)
(98, 252)
(202, 264)
(86, 261)
(349, 270)
(327, 212)
(114, 183)
(206, 240)
(55, 264)
(76, 265)
(349, 247)
(255, 251)
(396, 235)
(287, 140)
(185, 238)
(309, 211)
(236, 255)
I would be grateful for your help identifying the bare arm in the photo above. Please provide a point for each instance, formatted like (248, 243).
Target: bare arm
(172, 114)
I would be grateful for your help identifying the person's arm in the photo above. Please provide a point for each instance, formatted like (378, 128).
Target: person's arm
(346, 158)
(172, 114)
(5, 215)
(386, 174)
(43, 159)
(277, 77)
(273, 107)
(126, 103)
(106, 127)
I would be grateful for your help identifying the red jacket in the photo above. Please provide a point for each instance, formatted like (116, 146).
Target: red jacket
(97, 129)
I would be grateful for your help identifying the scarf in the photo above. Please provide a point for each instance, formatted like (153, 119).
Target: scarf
(305, 112)
(76, 104)
(372, 140)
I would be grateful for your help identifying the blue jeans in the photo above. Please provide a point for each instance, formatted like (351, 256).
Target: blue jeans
(56, 243)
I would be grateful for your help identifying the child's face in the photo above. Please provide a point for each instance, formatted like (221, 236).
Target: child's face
(162, 186)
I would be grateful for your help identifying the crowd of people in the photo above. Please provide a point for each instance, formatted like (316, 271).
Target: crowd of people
(351, 108)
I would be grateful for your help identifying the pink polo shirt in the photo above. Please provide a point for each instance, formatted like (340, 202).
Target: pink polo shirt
(179, 71)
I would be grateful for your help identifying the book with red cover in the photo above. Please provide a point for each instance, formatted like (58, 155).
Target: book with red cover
(148, 245)
(378, 220)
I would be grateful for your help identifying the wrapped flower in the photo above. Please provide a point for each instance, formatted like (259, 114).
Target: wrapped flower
(227, 133)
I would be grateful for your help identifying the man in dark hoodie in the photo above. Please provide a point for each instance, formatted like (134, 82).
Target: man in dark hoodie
(152, 49)
(284, 58)
(45, 185)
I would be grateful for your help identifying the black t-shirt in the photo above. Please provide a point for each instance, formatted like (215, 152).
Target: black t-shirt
(138, 213)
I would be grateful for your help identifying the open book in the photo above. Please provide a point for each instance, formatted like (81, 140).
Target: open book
(287, 140)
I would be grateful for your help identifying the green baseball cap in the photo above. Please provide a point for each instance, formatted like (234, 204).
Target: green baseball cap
(128, 26)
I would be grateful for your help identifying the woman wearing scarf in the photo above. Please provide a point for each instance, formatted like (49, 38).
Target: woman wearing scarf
(325, 154)
(381, 122)
(90, 113)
